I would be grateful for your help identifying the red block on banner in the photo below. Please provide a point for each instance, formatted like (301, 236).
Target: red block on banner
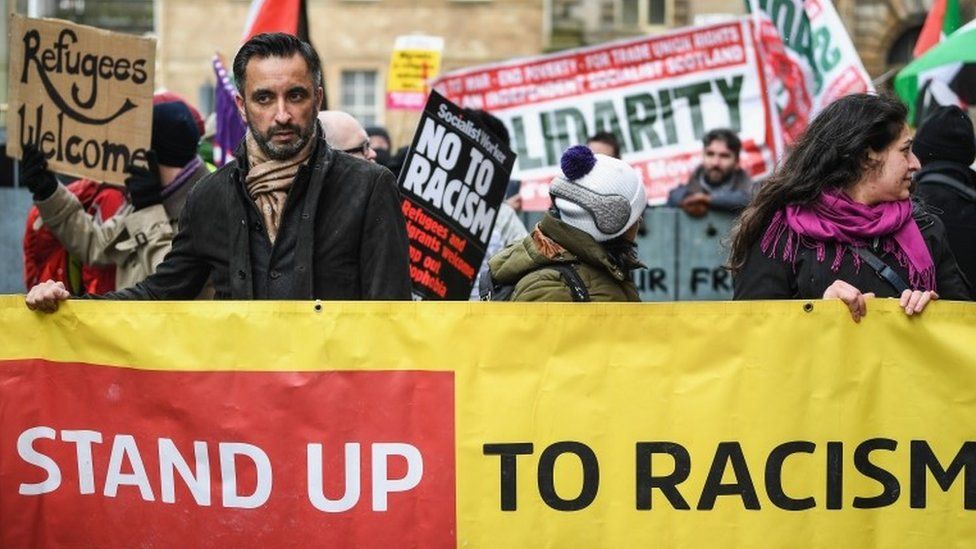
(114, 457)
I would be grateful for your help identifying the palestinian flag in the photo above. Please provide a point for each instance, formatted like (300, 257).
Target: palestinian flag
(943, 20)
(276, 16)
(946, 74)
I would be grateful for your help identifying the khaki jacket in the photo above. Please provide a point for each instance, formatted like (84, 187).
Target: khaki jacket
(134, 241)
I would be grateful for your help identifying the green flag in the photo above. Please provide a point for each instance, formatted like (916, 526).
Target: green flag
(948, 68)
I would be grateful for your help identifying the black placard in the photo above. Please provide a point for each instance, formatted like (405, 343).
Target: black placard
(452, 183)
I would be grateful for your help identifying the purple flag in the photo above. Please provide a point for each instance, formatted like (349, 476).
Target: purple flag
(230, 126)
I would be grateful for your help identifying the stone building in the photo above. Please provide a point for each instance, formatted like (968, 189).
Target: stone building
(355, 39)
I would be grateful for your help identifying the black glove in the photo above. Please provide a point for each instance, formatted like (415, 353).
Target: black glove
(34, 174)
(143, 185)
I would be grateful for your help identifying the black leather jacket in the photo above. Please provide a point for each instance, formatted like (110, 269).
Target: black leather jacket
(351, 240)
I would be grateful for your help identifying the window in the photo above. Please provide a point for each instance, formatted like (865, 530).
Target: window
(630, 11)
(360, 96)
(656, 12)
(643, 13)
(132, 16)
(607, 15)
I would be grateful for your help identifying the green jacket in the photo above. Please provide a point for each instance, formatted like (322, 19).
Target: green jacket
(553, 242)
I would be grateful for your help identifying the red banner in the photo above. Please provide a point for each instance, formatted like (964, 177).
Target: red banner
(354, 459)
(597, 69)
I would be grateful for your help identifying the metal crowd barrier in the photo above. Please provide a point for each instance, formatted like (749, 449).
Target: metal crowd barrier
(684, 255)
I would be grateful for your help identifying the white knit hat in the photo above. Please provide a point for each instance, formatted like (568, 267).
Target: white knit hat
(598, 194)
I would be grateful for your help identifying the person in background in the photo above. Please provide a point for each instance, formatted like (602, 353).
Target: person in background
(508, 228)
(45, 258)
(513, 195)
(379, 140)
(166, 96)
(206, 148)
(945, 146)
(289, 218)
(718, 183)
(604, 143)
(398, 160)
(345, 133)
(835, 220)
(591, 228)
(139, 235)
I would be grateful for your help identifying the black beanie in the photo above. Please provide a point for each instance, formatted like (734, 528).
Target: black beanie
(379, 131)
(175, 135)
(946, 134)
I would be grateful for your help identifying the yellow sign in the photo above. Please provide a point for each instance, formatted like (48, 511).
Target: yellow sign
(762, 424)
(416, 60)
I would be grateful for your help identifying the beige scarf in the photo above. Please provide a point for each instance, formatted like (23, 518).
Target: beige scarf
(268, 181)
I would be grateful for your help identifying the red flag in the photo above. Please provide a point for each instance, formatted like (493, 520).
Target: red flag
(276, 16)
(943, 19)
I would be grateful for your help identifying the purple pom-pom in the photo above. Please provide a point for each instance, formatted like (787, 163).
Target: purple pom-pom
(577, 161)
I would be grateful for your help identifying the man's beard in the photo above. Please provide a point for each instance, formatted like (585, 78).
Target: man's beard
(275, 151)
(717, 176)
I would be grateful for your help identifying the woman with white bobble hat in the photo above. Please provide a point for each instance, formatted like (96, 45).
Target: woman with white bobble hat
(583, 249)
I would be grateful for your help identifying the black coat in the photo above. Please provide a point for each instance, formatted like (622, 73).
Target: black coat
(764, 277)
(956, 212)
(351, 241)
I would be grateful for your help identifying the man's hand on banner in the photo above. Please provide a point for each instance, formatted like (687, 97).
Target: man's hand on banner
(143, 184)
(46, 296)
(34, 174)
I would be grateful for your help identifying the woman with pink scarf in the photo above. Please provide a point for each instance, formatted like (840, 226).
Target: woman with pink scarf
(838, 204)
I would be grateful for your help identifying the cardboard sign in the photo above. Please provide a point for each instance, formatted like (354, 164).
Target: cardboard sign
(453, 182)
(658, 95)
(415, 61)
(80, 94)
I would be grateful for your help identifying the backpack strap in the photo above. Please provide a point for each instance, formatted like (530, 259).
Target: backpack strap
(486, 286)
(942, 179)
(572, 279)
(881, 268)
(490, 290)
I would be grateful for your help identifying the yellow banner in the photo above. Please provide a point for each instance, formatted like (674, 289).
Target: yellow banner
(763, 424)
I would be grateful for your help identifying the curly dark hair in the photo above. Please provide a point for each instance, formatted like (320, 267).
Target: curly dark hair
(831, 154)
